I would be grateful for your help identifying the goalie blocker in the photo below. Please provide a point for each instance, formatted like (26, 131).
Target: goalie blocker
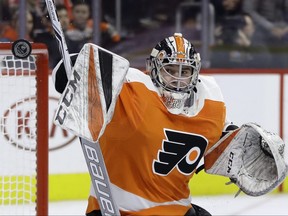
(86, 107)
(254, 159)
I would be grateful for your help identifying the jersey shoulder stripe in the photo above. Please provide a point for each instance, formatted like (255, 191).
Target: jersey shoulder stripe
(135, 75)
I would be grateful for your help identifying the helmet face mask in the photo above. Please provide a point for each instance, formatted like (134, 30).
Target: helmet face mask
(176, 77)
(174, 67)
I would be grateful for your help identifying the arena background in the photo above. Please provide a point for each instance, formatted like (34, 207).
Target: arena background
(257, 95)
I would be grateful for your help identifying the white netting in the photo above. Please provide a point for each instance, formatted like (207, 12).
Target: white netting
(17, 135)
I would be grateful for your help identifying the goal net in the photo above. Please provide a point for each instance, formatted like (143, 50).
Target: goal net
(24, 132)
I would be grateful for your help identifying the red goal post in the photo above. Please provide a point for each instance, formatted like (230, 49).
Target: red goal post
(24, 131)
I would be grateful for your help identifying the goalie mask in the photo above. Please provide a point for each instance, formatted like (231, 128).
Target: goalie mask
(174, 67)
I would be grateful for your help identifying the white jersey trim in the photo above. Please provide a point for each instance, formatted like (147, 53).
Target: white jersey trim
(135, 75)
(210, 88)
(127, 201)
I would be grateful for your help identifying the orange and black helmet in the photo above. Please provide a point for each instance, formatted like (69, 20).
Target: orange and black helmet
(174, 50)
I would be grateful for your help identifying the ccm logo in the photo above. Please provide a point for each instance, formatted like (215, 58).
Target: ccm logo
(67, 98)
(99, 178)
(230, 161)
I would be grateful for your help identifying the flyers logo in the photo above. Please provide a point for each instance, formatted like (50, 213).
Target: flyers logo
(181, 150)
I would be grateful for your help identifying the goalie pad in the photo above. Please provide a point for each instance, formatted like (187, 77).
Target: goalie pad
(253, 158)
(87, 104)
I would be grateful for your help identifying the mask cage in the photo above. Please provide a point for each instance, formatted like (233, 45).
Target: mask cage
(177, 83)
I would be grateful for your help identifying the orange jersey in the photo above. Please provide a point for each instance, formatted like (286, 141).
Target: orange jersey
(150, 153)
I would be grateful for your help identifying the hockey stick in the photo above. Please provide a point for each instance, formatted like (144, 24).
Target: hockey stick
(92, 151)
(59, 36)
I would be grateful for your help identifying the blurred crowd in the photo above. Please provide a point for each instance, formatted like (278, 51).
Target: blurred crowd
(75, 18)
(246, 31)
(253, 32)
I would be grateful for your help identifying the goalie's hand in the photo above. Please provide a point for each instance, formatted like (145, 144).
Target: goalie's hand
(255, 160)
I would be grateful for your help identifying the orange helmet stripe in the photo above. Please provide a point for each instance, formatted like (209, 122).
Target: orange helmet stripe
(180, 46)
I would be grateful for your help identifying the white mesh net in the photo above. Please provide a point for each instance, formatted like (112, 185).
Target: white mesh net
(17, 135)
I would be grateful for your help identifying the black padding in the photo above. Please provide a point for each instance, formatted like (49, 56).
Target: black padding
(106, 60)
(195, 210)
(94, 213)
(231, 127)
(61, 77)
(200, 211)
(191, 212)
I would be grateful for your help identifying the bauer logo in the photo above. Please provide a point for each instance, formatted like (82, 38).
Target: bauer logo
(18, 126)
(99, 176)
